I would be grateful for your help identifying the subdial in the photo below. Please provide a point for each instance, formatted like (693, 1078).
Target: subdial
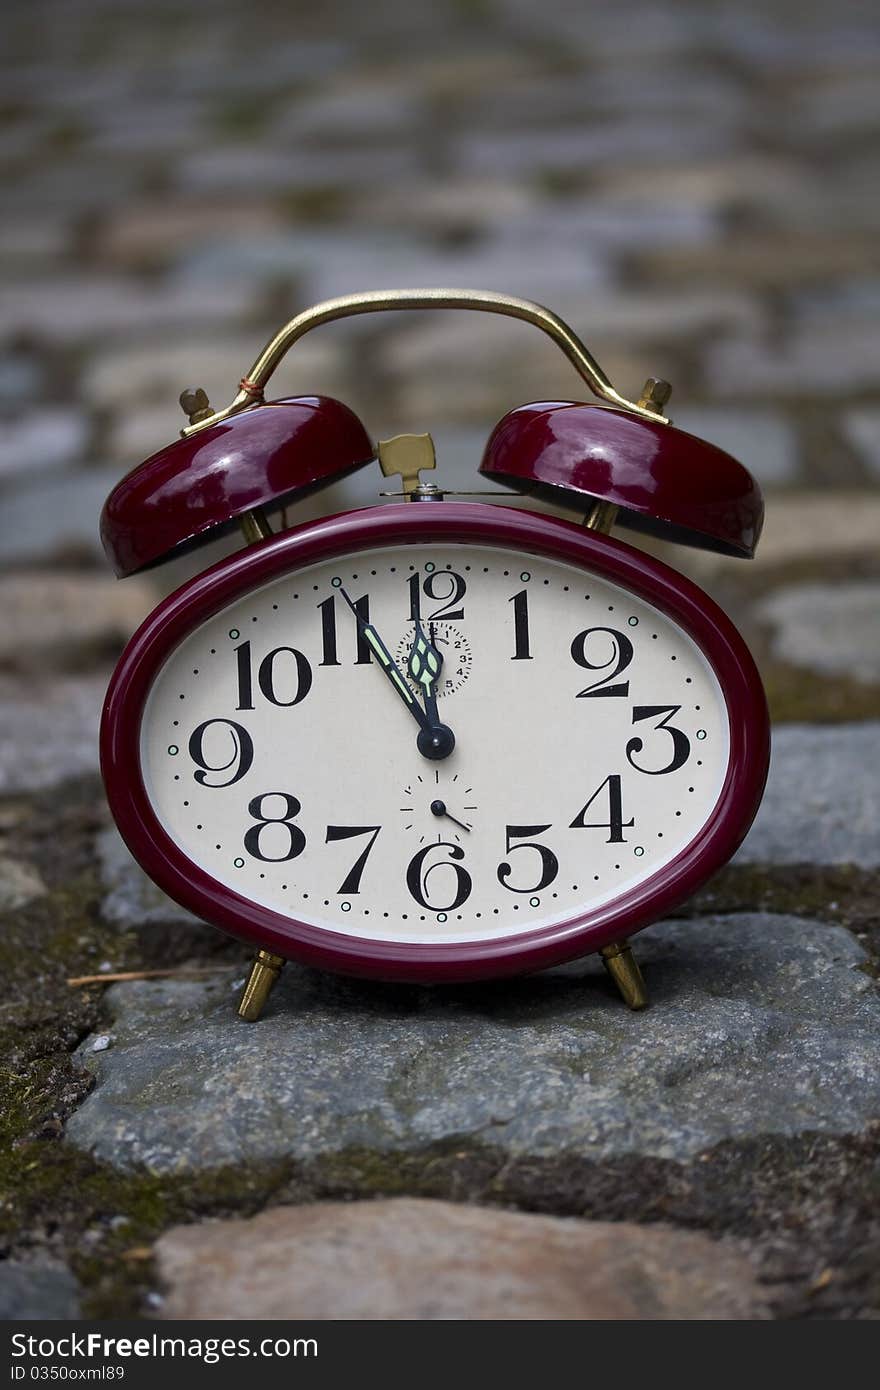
(438, 807)
(457, 657)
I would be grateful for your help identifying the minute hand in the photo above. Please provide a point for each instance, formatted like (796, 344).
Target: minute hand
(388, 665)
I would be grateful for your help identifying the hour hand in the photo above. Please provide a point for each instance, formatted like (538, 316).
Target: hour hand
(436, 739)
(388, 665)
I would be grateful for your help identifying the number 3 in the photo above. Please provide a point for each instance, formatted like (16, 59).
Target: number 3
(681, 745)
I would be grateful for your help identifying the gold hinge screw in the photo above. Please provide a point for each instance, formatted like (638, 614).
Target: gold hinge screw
(195, 404)
(655, 394)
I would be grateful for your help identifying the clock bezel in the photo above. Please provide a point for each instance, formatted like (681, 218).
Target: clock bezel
(407, 523)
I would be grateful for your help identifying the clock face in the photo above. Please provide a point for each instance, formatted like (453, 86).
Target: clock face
(284, 742)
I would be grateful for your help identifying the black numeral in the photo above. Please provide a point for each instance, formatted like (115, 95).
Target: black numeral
(436, 588)
(417, 877)
(549, 862)
(615, 823)
(266, 676)
(245, 681)
(327, 609)
(241, 757)
(296, 840)
(520, 603)
(352, 881)
(621, 656)
(681, 745)
(329, 655)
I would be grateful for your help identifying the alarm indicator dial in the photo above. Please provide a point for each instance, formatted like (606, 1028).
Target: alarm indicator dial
(591, 744)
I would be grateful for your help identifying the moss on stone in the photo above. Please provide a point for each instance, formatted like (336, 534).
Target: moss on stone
(797, 696)
(805, 1203)
(840, 894)
(315, 206)
(243, 119)
(104, 1222)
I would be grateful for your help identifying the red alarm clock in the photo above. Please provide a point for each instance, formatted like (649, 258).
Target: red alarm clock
(434, 740)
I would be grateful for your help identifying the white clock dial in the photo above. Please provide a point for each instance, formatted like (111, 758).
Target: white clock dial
(280, 750)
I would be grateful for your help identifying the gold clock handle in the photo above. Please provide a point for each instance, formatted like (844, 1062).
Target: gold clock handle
(254, 383)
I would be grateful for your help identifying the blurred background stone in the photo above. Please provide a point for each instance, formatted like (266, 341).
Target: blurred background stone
(42, 440)
(54, 617)
(50, 729)
(828, 628)
(822, 803)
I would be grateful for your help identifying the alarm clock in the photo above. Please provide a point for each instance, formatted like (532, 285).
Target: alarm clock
(434, 739)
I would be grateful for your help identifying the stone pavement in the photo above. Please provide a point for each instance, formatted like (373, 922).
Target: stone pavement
(695, 187)
(428, 1260)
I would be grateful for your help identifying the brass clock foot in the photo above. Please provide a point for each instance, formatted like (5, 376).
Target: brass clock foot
(264, 972)
(620, 963)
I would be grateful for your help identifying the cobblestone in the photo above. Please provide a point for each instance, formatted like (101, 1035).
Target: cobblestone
(41, 441)
(79, 310)
(822, 801)
(36, 1292)
(19, 884)
(760, 1025)
(54, 518)
(809, 364)
(131, 383)
(50, 730)
(21, 378)
(435, 1260)
(130, 898)
(157, 231)
(834, 629)
(862, 429)
(51, 615)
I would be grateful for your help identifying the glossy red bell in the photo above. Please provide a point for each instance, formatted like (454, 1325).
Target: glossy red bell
(187, 493)
(665, 482)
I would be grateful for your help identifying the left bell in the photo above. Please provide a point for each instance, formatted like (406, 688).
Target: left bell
(204, 484)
